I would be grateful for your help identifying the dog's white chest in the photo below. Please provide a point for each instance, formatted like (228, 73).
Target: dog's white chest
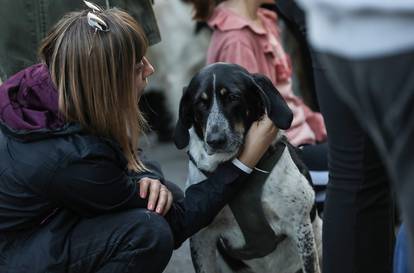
(286, 194)
(287, 199)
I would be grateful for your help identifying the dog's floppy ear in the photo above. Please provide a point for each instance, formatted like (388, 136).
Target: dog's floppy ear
(276, 107)
(181, 135)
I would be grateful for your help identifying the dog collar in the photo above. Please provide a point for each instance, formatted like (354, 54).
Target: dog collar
(206, 173)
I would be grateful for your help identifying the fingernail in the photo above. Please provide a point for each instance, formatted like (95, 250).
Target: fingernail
(158, 210)
(150, 206)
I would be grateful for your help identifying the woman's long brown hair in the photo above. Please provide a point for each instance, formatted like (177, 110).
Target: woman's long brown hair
(95, 75)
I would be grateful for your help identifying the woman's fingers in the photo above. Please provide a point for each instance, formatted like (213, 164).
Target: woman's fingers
(169, 203)
(154, 191)
(160, 198)
(144, 184)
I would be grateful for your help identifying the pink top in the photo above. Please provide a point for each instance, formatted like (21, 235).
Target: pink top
(236, 40)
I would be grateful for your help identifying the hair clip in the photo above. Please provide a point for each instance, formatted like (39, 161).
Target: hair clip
(92, 6)
(94, 20)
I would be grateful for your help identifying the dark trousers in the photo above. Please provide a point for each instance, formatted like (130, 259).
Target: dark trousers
(358, 229)
(133, 241)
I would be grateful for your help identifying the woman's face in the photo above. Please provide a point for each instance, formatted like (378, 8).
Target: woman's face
(143, 70)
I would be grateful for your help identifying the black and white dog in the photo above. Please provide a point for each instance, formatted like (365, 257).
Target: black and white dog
(272, 225)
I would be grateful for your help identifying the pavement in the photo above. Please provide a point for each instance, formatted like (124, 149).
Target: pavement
(174, 166)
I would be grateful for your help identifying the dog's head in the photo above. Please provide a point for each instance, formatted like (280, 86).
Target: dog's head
(222, 101)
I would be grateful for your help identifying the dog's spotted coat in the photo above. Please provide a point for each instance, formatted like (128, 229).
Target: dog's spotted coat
(214, 131)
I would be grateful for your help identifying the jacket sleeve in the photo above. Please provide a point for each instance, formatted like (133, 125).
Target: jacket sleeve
(203, 201)
(94, 184)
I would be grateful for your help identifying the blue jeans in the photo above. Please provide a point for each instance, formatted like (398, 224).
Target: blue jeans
(402, 252)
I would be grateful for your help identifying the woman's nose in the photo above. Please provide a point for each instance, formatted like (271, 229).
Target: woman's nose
(148, 68)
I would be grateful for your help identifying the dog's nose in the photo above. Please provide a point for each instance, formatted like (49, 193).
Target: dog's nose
(216, 141)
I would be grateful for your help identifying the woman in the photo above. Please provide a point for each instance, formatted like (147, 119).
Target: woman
(75, 196)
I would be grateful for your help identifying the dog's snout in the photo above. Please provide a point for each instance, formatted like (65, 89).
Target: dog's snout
(216, 141)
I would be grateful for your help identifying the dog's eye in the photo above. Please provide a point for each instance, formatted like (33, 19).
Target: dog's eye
(202, 104)
(233, 97)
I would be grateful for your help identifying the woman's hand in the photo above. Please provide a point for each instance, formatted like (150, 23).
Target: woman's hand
(160, 198)
(258, 138)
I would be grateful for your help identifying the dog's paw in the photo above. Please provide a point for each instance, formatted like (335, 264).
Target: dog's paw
(225, 250)
(251, 250)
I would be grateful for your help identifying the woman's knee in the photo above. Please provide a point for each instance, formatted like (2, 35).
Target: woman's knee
(150, 241)
(149, 226)
(135, 229)
(160, 232)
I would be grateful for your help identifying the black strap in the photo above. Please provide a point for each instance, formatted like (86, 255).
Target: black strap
(260, 239)
(248, 211)
(206, 173)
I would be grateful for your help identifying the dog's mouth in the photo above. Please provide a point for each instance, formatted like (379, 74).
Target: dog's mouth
(213, 151)
(231, 147)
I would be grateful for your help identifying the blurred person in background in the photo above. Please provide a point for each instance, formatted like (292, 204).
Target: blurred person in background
(367, 50)
(359, 208)
(75, 193)
(246, 34)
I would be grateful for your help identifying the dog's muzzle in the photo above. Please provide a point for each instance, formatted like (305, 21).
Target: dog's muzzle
(216, 141)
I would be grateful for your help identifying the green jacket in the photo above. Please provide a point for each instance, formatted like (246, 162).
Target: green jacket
(25, 22)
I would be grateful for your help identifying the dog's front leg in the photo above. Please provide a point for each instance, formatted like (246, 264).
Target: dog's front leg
(203, 251)
(305, 241)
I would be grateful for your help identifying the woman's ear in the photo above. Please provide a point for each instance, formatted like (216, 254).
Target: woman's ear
(185, 120)
(275, 105)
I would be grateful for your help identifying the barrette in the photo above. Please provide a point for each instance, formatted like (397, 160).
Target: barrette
(94, 20)
(92, 6)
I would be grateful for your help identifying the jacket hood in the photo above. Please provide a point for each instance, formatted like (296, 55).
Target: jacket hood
(29, 101)
(29, 106)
